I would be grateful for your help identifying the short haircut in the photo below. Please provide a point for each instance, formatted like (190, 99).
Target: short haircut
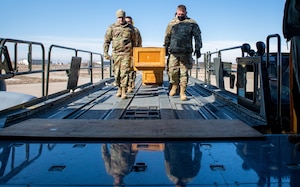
(181, 7)
(129, 17)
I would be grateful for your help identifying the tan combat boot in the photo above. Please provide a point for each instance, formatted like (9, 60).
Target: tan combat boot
(124, 96)
(133, 85)
(129, 88)
(119, 92)
(183, 97)
(173, 90)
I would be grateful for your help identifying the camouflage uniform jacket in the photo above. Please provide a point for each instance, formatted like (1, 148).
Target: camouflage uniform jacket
(179, 35)
(122, 37)
(138, 37)
(291, 19)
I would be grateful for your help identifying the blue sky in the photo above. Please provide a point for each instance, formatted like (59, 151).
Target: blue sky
(82, 24)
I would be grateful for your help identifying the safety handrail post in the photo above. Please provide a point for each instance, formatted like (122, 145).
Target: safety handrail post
(209, 65)
(102, 66)
(197, 67)
(279, 73)
(207, 68)
(29, 57)
(91, 67)
(15, 55)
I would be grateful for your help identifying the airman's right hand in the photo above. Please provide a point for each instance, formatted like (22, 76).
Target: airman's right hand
(106, 56)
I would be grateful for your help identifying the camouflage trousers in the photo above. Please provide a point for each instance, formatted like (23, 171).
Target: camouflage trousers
(121, 67)
(178, 66)
(132, 74)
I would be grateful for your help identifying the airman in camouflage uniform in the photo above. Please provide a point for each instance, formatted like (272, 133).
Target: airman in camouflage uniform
(118, 160)
(132, 74)
(122, 36)
(182, 162)
(178, 43)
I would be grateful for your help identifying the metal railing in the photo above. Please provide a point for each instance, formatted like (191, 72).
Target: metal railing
(29, 56)
(245, 48)
(46, 65)
(89, 68)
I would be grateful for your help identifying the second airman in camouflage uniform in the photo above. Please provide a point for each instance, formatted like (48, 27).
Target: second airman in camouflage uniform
(132, 74)
(118, 160)
(182, 162)
(122, 36)
(178, 43)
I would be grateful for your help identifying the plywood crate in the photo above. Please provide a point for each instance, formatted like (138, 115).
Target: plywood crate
(151, 60)
(152, 77)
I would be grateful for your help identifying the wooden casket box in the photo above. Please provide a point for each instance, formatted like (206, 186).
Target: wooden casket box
(150, 60)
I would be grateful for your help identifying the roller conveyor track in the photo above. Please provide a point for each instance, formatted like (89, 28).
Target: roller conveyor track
(150, 102)
(224, 104)
(153, 102)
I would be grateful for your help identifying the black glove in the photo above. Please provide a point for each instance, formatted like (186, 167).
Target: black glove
(197, 53)
(167, 51)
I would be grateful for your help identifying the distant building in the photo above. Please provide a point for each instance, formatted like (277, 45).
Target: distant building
(34, 62)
